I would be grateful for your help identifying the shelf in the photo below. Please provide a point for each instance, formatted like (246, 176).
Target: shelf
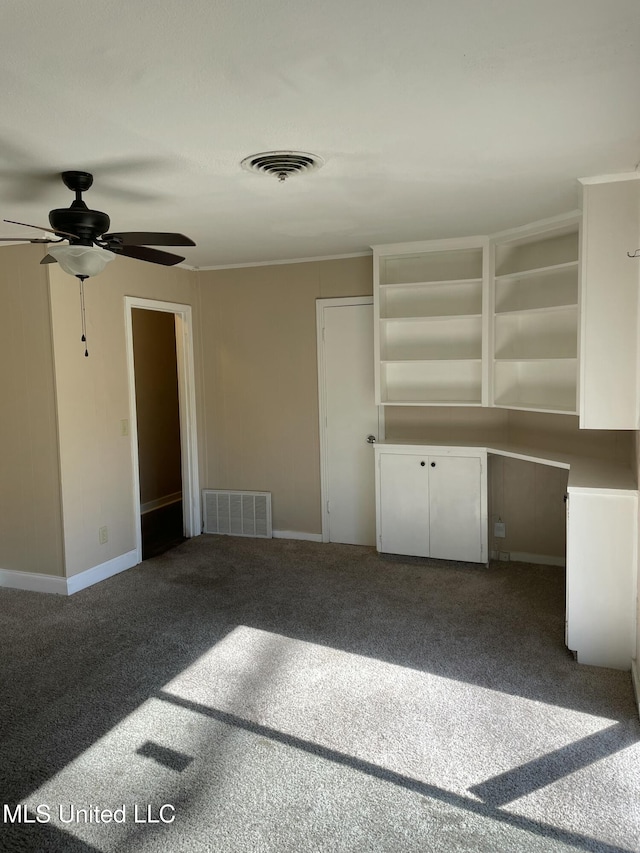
(428, 318)
(432, 266)
(447, 282)
(538, 254)
(538, 271)
(556, 288)
(430, 360)
(446, 382)
(537, 334)
(535, 408)
(431, 299)
(431, 402)
(537, 384)
(431, 339)
(534, 360)
(544, 310)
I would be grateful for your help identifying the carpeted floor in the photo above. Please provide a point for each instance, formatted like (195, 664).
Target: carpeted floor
(290, 696)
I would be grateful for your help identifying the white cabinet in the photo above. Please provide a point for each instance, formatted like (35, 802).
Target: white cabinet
(601, 576)
(432, 501)
(534, 291)
(609, 379)
(429, 300)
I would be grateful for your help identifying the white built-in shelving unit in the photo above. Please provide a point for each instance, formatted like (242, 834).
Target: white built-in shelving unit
(541, 318)
(429, 305)
(480, 321)
(534, 285)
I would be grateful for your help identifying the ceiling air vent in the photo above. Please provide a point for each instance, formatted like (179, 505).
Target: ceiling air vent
(282, 164)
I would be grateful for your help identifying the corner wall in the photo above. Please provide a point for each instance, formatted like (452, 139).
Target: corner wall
(93, 400)
(30, 509)
(261, 379)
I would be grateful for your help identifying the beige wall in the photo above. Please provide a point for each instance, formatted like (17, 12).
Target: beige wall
(30, 514)
(529, 499)
(456, 424)
(157, 408)
(93, 399)
(261, 386)
(257, 402)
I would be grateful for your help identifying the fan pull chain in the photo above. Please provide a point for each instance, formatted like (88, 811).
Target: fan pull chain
(83, 315)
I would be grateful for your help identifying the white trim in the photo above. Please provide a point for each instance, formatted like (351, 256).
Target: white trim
(610, 179)
(33, 582)
(297, 534)
(101, 572)
(191, 508)
(158, 503)
(477, 241)
(321, 304)
(635, 678)
(286, 261)
(525, 557)
(534, 229)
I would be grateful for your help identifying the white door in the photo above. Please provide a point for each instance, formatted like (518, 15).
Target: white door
(350, 415)
(455, 485)
(404, 504)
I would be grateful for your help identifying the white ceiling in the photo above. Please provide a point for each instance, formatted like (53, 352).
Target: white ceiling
(436, 118)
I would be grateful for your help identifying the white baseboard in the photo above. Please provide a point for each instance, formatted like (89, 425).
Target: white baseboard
(101, 572)
(524, 557)
(636, 682)
(297, 534)
(33, 582)
(149, 506)
(541, 559)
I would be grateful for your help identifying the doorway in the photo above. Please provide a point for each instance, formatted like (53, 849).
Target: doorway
(348, 418)
(158, 419)
(162, 424)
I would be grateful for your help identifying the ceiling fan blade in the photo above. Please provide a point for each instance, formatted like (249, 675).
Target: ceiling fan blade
(48, 259)
(142, 253)
(24, 240)
(149, 238)
(42, 228)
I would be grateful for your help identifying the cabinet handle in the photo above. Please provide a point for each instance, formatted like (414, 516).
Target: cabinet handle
(422, 464)
(433, 464)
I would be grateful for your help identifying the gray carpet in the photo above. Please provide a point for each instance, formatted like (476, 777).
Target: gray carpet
(291, 696)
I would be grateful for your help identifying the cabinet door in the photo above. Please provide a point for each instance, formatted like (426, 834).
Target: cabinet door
(609, 311)
(601, 569)
(455, 508)
(404, 504)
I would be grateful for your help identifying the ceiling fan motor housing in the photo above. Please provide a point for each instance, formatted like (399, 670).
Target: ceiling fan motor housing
(78, 219)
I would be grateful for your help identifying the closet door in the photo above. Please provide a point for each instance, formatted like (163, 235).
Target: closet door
(404, 504)
(455, 522)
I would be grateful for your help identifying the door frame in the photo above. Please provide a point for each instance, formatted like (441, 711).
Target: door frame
(321, 304)
(191, 508)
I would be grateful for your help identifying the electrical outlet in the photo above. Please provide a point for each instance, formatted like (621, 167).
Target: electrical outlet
(504, 555)
(499, 530)
(103, 535)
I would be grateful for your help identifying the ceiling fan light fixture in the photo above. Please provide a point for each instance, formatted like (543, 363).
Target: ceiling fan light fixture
(81, 260)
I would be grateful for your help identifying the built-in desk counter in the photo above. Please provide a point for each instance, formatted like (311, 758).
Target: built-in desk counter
(602, 521)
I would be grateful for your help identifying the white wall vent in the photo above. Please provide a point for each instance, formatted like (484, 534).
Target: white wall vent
(237, 513)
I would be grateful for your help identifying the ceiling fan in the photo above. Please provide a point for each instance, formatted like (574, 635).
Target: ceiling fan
(88, 244)
(83, 244)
